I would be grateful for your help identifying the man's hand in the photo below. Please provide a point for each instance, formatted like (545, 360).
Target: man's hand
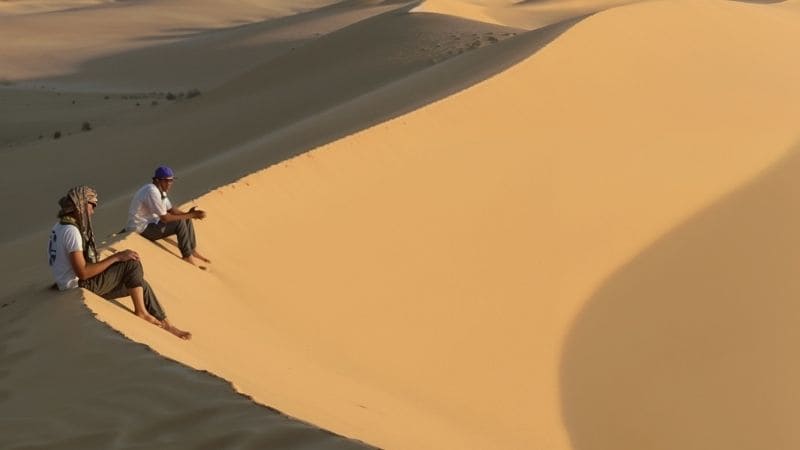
(127, 255)
(197, 213)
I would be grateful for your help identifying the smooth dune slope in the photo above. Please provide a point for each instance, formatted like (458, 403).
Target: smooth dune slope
(58, 37)
(203, 58)
(60, 356)
(217, 134)
(21, 7)
(528, 14)
(430, 282)
(70, 383)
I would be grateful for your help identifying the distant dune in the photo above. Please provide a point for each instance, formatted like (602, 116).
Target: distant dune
(529, 14)
(499, 225)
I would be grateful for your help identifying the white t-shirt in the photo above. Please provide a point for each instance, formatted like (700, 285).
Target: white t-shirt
(147, 207)
(64, 239)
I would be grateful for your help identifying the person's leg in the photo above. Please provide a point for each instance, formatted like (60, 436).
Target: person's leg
(185, 232)
(127, 278)
(151, 302)
(120, 280)
(139, 307)
(160, 230)
(110, 283)
(190, 237)
(182, 229)
(193, 242)
(154, 308)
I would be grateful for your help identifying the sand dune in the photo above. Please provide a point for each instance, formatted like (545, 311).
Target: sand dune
(528, 14)
(57, 42)
(591, 249)
(502, 240)
(224, 122)
(20, 7)
(68, 383)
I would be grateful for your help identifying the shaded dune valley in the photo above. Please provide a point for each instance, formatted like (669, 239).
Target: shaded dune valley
(443, 224)
(77, 385)
(690, 344)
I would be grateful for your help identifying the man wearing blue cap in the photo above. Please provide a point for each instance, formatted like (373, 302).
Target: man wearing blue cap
(152, 215)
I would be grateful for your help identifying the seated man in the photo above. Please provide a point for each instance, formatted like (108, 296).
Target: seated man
(73, 260)
(152, 215)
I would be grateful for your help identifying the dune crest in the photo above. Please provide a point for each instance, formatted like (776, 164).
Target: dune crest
(458, 8)
(528, 14)
(412, 285)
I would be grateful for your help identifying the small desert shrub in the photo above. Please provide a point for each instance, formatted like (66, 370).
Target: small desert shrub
(86, 126)
(192, 93)
(57, 135)
(170, 96)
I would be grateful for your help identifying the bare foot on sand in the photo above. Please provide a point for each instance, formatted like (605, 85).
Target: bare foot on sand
(197, 255)
(193, 261)
(185, 335)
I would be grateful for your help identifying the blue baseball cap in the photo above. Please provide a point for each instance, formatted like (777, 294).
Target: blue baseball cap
(164, 172)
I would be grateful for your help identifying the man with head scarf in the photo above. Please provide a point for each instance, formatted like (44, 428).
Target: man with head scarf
(152, 215)
(73, 260)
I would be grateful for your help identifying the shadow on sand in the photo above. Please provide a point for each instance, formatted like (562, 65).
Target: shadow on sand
(694, 344)
(69, 382)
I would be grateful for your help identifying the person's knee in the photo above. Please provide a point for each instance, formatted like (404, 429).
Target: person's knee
(126, 266)
(133, 265)
(134, 273)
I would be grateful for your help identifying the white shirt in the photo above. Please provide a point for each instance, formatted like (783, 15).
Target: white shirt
(147, 206)
(64, 239)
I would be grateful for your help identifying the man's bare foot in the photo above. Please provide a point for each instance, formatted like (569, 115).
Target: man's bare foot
(200, 257)
(193, 261)
(185, 335)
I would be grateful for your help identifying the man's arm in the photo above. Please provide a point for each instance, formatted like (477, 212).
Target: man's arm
(175, 214)
(85, 270)
(153, 203)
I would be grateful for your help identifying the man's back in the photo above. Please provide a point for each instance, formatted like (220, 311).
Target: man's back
(64, 239)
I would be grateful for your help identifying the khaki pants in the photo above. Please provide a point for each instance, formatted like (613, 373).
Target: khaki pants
(115, 281)
(183, 229)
